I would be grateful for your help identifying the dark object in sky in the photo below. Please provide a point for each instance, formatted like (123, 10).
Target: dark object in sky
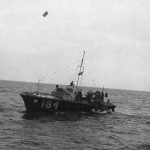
(45, 14)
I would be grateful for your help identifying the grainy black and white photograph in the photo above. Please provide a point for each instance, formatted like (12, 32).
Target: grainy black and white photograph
(74, 75)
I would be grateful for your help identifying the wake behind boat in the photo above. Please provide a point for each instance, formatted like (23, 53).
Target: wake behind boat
(67, 99)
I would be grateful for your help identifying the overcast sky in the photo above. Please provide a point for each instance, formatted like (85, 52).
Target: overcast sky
(115, 35)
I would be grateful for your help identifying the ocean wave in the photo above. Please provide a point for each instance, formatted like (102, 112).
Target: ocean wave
(126, 128)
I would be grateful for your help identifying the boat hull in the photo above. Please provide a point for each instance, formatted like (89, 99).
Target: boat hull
(41, 103)
(51, 104)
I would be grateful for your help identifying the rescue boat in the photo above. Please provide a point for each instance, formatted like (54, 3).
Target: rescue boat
(67, 99)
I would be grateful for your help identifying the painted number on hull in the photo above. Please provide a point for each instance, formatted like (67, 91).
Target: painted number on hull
(49, 104)
(56, 104)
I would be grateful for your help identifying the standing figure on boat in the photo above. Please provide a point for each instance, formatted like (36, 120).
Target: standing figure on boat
(102, 94)
(98, 97)
(78, 96)
(70, 87)
(71, 84)
(106, 98)
(57, 87)
(89, 96)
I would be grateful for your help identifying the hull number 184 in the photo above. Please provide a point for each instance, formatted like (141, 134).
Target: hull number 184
(50, 104)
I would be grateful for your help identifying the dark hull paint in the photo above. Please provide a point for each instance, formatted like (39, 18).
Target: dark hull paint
(40, 103)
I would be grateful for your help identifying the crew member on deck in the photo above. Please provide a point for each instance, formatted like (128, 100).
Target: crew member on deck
(89, 96)
(106, 97)
(57, 87)
(108, 101)
(79, 96)
(70, 87)
(71, 84)
(97, 97)
(102, 93)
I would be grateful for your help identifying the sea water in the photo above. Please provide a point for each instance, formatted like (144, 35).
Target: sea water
(128, 128)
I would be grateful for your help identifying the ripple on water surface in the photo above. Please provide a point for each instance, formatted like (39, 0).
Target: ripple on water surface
(127, 128)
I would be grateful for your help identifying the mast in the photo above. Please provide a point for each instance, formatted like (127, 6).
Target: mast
(38, 86)
(80, 72)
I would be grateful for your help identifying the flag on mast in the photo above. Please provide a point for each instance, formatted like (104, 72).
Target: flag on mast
(80, 73)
